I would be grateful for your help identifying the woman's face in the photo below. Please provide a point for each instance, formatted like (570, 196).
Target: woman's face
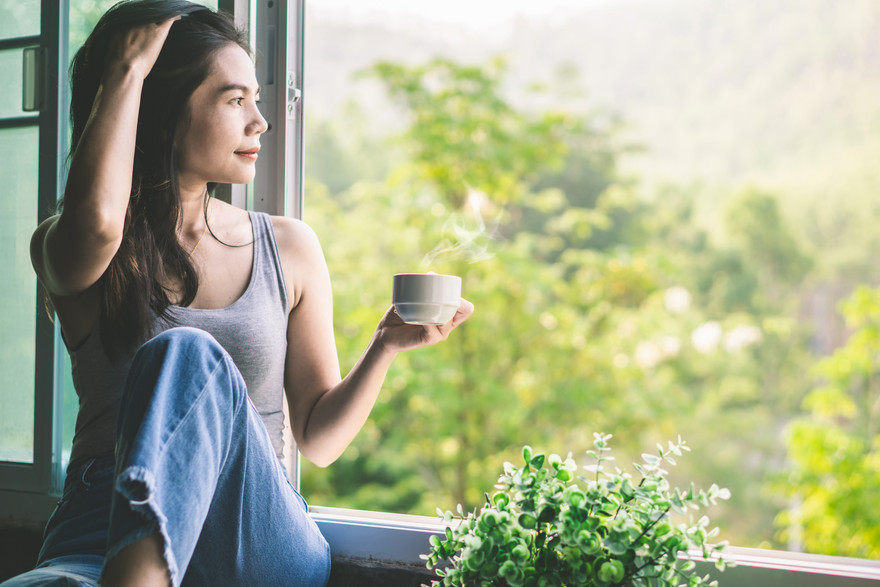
(220, 140)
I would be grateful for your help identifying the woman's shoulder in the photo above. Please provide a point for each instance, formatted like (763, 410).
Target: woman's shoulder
(294, 235)
(302, 259)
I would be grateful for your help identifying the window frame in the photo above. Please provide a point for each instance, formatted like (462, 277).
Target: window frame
(28, 493)
(41, 474)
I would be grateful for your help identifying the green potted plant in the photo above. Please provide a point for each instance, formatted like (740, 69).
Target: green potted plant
(547, 527)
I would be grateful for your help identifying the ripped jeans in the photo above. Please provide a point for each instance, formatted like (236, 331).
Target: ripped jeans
(193, 462)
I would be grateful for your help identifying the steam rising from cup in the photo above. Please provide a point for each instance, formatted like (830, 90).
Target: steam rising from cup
(465, 236)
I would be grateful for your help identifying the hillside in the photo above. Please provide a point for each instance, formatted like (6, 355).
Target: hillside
(784, 92)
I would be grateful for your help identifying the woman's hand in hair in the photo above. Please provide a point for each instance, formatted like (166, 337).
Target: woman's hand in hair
(72, 251)
(137, 49)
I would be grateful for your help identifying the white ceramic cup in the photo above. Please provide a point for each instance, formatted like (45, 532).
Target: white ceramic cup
(426, 298)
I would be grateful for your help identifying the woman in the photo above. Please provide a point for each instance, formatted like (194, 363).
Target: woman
(185, 318)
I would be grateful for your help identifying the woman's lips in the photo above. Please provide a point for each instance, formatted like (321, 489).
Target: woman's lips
(250, 154)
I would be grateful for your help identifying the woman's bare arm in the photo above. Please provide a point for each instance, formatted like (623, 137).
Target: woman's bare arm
(326, 410)
(70, 252)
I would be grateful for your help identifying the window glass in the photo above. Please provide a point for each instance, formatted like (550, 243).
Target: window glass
(10, 69)
(18, 209)
(83, 17)
(18, 175)
(21, 18)
(664, 214)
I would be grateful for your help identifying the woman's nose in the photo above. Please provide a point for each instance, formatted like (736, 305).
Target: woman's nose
(258, 125)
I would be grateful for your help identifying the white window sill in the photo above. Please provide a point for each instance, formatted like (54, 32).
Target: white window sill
(401, 539)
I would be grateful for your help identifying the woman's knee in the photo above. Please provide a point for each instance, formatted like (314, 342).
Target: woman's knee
(181, 352)
(173, 369)
(183, 339)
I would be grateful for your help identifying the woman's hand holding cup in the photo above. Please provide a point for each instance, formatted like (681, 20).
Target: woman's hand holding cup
(426, 308)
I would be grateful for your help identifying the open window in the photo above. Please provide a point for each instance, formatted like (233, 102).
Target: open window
(29, 133)
(591, 312)
(636, 269)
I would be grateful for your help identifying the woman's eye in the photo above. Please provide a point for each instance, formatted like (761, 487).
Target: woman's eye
(238, 101)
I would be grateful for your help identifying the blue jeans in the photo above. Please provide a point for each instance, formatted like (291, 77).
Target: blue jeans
(193, 462)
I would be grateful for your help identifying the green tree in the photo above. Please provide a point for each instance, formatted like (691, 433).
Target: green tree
(588, 312)
(761, 235)
(832, 481)
(463, 135)
(474, 158)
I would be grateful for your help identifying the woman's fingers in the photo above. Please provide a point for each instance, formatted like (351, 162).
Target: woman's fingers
(465, 310)
(168, 22)
(398, 335)
(139, 47)
(154, 38)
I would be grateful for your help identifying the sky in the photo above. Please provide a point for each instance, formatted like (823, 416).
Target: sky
(477, 14)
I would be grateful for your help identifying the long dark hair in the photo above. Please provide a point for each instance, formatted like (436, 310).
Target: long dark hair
(133, 284)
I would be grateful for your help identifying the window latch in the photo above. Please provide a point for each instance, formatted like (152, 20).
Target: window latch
(34, 78)
(294, 94)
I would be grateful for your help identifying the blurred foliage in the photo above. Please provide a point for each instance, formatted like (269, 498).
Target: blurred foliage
(463, 135)
(599, 304)
(833, 476)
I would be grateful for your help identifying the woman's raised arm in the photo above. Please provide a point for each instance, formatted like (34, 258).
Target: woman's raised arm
(71, 251)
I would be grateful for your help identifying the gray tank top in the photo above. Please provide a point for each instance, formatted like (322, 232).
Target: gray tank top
(253, 330)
